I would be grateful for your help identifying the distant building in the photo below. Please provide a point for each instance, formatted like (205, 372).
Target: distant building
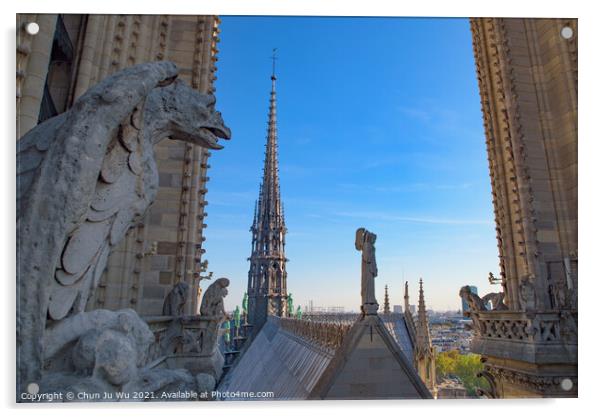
(397, 309)
(465, 308)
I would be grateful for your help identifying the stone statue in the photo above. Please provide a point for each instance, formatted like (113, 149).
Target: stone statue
(474, 302)
(497, 301)
(290, 308)
(213, 300)
(364, 242)
(84, 178)
(175, 300)
(527, 293)
(104, 351)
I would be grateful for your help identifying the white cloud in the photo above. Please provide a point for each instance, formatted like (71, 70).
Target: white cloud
(409, 219)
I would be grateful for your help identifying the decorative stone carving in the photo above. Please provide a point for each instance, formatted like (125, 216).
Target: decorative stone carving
(475, 303)
(326, 334)
(213, 300)
(102, 352)
(84, 178)
(527, 293)
(496, 299)
(175, 300)
(543, 385)
(73, 339)
(364, 242)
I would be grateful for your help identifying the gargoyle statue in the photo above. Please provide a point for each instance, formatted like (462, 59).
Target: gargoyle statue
(175, 300)
(213, 300)
(84, 178)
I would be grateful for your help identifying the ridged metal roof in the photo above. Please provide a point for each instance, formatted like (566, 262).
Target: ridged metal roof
(279, 362)
(396, 325)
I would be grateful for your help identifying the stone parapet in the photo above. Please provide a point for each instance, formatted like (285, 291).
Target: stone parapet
(542, 337)
(326, 334)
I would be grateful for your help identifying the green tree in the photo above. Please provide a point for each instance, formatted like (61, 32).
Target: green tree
(463, 367)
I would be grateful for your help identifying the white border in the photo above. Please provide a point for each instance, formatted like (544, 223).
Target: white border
(589, 185)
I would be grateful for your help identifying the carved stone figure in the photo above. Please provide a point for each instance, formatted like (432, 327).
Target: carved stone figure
(474, 301)
(70, 344)
(104, 352)
(527, 293)
(213, 300)
(364, 242)
(497, 301)
(83, 179)
(175, 300)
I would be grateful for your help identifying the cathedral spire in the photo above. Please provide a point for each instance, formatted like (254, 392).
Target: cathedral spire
(423, 334)
(267, 273)
(424, 353)
(387, 307)
(406, 299)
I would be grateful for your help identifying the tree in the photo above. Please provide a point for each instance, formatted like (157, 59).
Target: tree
(463, 367)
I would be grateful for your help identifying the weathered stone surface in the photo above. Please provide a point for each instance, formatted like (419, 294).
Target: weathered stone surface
(116, 358)
(175, 300)
(66, 161)
(165, 384)
(213, 300)
(364, 242)
(107, 352)
(83, 330)
(205, 382)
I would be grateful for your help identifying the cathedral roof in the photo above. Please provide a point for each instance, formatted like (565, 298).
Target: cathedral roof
(294, 367)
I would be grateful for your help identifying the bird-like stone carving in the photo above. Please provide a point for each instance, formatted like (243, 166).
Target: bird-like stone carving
(87, 176)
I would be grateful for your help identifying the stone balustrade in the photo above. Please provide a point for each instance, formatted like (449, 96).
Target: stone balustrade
(326, 334)
(185, 333)
(541, 327)
(339, 318)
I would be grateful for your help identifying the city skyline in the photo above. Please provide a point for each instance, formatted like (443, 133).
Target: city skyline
(400, 151)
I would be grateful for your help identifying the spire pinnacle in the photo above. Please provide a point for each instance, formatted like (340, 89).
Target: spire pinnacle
(273, 58)
(387, 307)
(421, 305)
(267, 273)
(406, 298)
(422, 329)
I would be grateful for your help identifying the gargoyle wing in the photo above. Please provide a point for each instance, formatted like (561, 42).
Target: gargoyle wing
(78, 186)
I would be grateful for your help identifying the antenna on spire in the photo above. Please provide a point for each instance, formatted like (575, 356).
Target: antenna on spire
(273, 58)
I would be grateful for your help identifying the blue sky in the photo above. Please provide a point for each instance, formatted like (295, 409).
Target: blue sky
(379, 126)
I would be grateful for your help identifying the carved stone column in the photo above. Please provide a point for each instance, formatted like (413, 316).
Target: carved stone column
(527, 79)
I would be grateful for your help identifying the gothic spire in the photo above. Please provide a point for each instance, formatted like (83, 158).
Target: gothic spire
(406, 299)
(270, 205)
(387, 307)
(267, 273)
(423, 334)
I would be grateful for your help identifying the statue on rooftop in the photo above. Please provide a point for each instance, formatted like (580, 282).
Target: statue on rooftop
(213, 300)
(364, 242)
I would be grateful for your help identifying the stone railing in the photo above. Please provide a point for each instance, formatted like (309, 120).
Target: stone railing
(338, 318)
(184, 334)
(541, 327)
(186, 342)
(326, 334)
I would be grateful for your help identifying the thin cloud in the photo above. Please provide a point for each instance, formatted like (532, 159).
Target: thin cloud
(402, 188)
(410, 219)
(415, 113)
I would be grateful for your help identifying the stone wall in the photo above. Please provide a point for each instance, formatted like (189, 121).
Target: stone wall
(527, 73)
